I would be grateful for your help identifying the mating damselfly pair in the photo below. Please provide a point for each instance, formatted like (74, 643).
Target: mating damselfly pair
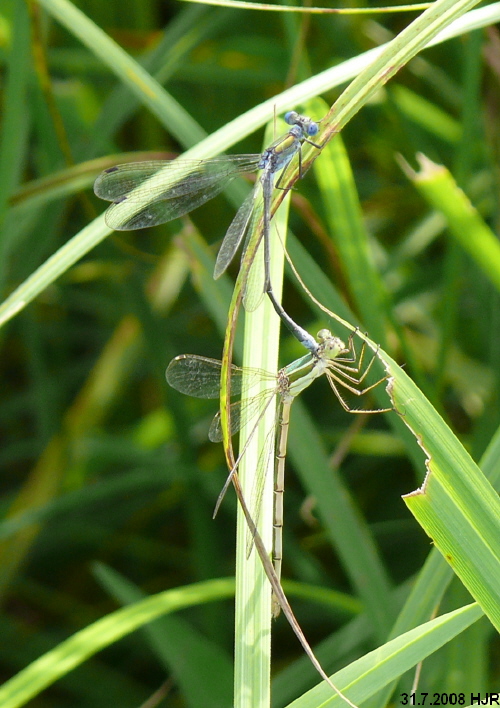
(150, 193)
(200, 377)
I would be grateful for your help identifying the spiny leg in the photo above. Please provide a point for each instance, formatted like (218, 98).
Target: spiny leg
(351, 375)
(347, 362)
(333, 380)
(354, 374)
(357, 370)
(353, 357)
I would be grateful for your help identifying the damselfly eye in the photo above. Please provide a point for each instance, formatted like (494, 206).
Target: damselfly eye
(291, 117)
(312, 128)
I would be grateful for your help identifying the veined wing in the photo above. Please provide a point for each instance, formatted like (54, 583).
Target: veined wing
(260, 477)
(235, 233)
(151, 193)
(199, 376)
(253, 288)
(252, 256)
(172, 177)
(252, 410)
(242, 412)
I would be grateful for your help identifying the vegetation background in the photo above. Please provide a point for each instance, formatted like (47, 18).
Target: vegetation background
(104, 468)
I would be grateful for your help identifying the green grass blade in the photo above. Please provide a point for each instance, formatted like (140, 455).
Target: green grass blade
(217, 142)
(180, 647)
(466, 225)
(456, 505)
(72, 652)
(345, 528)
(54, 267)
(420, 33)
(14, 131)
(253, 596)
(426, 114)
(346, 225)
(168, 111)
(368, 675)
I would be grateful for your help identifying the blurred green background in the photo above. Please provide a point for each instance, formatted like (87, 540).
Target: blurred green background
(101, 461)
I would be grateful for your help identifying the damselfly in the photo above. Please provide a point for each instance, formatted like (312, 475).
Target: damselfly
(200, 377)
(150, 193)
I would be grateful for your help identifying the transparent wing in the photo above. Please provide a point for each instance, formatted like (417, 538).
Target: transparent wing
(241, 413)
(173, 177)
(235, 233)
(263, 465)
(254, 285)
(121, 217)
(163, 190)
(199, 376)
(215, 430)
(258, 404)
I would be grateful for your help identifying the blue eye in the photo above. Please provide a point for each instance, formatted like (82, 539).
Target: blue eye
(312, 128)
(291, 117)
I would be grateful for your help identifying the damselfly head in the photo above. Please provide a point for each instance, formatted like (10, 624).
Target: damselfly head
(330, 347)
(306, 124)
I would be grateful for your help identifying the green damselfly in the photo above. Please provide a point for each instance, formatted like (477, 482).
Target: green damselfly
(200, 377)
